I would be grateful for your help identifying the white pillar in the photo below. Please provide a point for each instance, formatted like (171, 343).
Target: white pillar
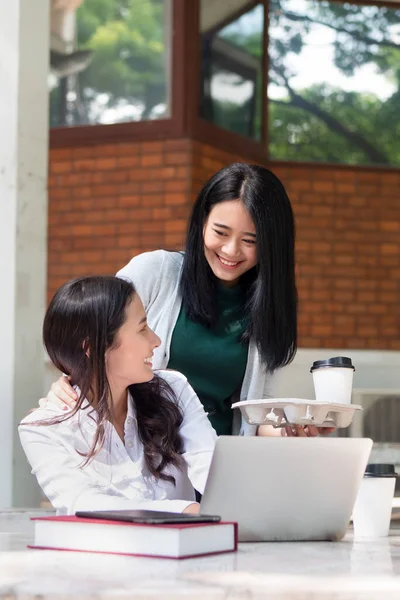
(24, 58)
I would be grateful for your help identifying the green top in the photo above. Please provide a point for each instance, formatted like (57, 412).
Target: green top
(213, 360)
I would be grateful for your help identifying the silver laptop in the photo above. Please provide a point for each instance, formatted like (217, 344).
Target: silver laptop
(286, 489)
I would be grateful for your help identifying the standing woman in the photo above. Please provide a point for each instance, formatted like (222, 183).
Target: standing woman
(226, 309)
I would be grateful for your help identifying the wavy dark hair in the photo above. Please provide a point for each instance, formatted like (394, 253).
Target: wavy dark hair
(81, 324)
(270, 286)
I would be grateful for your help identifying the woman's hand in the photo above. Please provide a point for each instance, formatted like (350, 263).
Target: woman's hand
(61, 394)
(305, 430)
(192, 509)
(294, 431)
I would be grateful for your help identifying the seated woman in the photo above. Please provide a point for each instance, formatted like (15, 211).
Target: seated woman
(135, 439)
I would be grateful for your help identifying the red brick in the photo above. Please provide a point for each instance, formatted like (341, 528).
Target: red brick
(119, 255)
(344, 260)
(175, 198)
(126, 241)
(149, 147)
(127, 149)
(140, 214)
(151, 160)
(177, 158)
(162, 213)
(153, 227)
(105, 164)
(174, 239)
(133, 226)
(150, 187)
(390, 249)
(87, 164)
(128, 161)
(389, 226)
(322, 211)
(176, 226)
(118, 176)
(151, 241)
(344, 175)
(356, 201)
(128, 201)
(180, 185)
(182, 145)
(83, 152)
(323, 186)
(345, 188)
(152, 200)
(61, 167)
(59, 154)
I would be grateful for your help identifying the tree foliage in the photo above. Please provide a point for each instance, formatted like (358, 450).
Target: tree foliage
(130, 64)
(323, 122)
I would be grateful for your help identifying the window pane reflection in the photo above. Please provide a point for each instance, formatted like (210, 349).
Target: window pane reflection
(110, 61)
(231, 69)
(334, 82)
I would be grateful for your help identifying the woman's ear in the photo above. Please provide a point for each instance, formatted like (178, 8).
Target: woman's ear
(85, 347)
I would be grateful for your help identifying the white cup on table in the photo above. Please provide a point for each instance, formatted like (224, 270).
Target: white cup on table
(373, 506)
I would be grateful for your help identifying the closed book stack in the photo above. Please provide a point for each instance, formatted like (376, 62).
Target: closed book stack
(117, 537)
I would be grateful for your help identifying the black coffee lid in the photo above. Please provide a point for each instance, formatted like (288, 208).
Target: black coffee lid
(336, 361)
(380, 470)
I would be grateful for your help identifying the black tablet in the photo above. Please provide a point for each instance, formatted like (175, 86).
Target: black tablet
(152, 517)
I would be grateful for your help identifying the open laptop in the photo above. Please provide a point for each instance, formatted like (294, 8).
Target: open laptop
(286, 489)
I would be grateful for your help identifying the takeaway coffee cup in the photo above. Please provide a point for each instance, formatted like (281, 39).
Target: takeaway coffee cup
(373, 507)
(333, 380)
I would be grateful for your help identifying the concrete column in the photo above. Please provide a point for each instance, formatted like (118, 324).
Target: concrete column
(24, 58)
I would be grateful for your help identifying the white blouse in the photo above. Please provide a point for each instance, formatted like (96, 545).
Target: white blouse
(117, 478)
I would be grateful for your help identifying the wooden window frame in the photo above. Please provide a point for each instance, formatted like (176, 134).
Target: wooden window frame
(209, 133)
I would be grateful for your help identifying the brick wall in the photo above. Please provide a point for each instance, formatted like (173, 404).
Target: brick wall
(108, 203)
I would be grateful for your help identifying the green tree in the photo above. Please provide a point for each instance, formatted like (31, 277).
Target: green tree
(324, 123)
(129, 62)
(341, 126)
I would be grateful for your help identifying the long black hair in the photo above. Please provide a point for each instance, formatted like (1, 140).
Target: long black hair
(81, 324)
(271, 286)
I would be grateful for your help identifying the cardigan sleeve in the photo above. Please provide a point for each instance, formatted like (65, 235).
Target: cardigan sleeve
(145, 272)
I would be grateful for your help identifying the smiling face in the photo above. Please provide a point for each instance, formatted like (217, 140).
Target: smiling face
(129, 360)
(230, 241)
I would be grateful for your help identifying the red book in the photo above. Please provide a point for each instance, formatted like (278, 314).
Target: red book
(136, 539)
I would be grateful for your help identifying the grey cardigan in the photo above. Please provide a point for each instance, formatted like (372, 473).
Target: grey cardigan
(156, 276)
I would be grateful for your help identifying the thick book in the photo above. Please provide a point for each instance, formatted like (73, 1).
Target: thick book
(78, 534)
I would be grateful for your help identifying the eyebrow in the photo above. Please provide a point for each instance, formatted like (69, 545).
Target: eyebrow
(226, 227)
(143, 320)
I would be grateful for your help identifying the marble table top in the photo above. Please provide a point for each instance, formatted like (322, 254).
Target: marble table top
(350, 569)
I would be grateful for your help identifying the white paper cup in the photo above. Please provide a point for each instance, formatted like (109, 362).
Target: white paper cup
(333, 384)
(373, 507)
(333, 379)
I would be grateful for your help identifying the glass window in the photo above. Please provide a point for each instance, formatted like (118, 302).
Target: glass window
(231, 79)
(109, 62)
(334, 72)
